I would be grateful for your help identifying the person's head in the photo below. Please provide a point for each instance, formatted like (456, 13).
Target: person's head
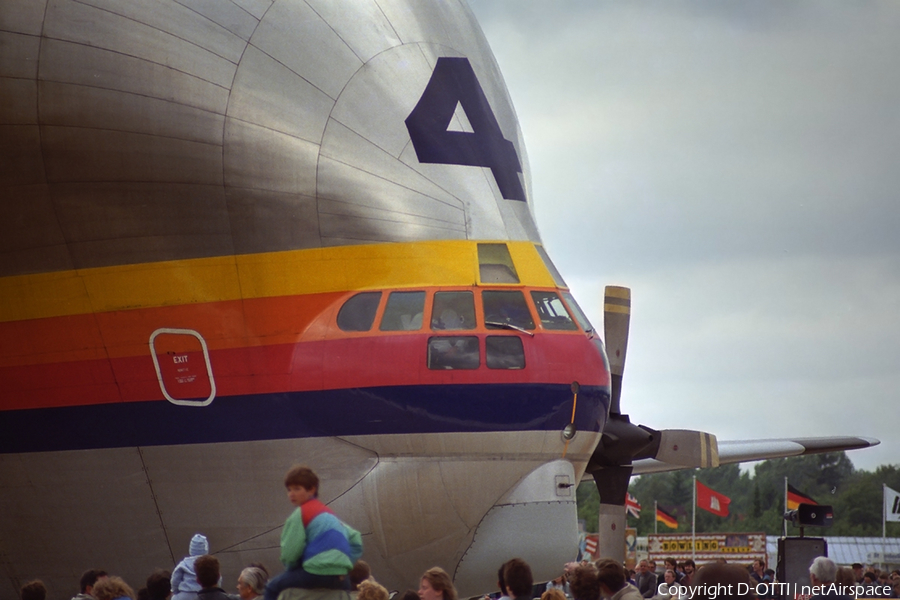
(857, 571)
(436, 585)
(643, 567)
(251, 583)
(372, 590)
(845, 577)
(671, 563)
(670, 577)
(689, 567)
(359, 573)
(159, 584)
(207, 569)
(409, 595)
(199, 545)
(501, 582)
(553, 594)
(610, 576)
(302, 484)
(517, 575)
(822, 571)
(869, 578)
(759, 567)
(89, 578)
(110, 588)
(583, 583)
(34, 590)
(713, 574)
(261, 567)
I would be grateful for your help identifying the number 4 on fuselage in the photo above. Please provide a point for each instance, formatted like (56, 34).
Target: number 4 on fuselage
(453, 82)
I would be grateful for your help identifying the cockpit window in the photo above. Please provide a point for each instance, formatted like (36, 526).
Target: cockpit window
(358, 313)
(495, 265)
(504, 352)
(453, 311)
(557, 277)
(552, 312)
(453, 352)
(403, 311)
(577, 312)
(506, 309)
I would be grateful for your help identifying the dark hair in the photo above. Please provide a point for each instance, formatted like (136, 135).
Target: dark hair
(409, 595)
(159, 584)
(611, 574)
(304, 477)
(440, 581)
(359, 573)
(34, 590)
(721, 573)
(517, 575)
(207, 569)
(501, 581)
(691, 563)
(90, 577)
(583, 583)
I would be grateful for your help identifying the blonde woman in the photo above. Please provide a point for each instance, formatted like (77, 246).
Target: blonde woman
(112, 588)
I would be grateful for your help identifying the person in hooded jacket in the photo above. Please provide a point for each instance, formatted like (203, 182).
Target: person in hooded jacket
(184, 578)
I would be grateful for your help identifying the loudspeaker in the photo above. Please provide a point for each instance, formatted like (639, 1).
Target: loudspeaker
(795, 555)
(818, 515)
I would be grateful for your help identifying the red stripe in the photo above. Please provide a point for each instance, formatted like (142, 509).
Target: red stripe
(311, 509)
(364, 361)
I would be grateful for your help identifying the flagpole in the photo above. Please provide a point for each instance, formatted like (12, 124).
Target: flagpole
(784, 521)
(656, 517)
(694, 524)
(883, 520)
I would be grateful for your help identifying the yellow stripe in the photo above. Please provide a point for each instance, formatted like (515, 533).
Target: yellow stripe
(450, 263)
(615, 308)
(615, 291)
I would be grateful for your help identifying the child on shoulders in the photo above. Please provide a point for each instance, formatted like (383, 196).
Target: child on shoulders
(318, 550)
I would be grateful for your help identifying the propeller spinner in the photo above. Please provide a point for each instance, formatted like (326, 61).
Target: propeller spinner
(623, 442)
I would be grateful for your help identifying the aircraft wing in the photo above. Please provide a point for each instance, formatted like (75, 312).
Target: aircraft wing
(735, 451)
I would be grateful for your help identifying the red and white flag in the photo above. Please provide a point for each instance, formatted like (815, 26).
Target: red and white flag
(712, 501)
(632, 506)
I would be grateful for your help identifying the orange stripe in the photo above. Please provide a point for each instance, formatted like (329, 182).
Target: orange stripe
(118, 334)
(666, 519)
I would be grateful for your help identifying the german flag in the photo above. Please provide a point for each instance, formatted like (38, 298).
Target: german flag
(795, 498)
(666, 519)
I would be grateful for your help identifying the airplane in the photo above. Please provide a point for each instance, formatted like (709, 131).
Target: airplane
(246, 234)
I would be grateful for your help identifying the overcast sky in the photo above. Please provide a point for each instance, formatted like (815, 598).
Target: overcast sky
(737, 164)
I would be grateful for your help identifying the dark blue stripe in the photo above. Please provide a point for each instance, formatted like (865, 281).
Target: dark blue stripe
(364, 411)
(332, 539)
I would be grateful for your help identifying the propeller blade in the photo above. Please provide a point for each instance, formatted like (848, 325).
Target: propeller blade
(616, 318)
(687, 448)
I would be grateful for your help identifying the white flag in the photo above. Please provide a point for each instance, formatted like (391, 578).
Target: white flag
(891, 504)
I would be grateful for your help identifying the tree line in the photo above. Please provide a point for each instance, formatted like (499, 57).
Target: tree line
(757, 498)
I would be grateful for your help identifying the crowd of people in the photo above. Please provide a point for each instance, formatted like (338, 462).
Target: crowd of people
(319, 551)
